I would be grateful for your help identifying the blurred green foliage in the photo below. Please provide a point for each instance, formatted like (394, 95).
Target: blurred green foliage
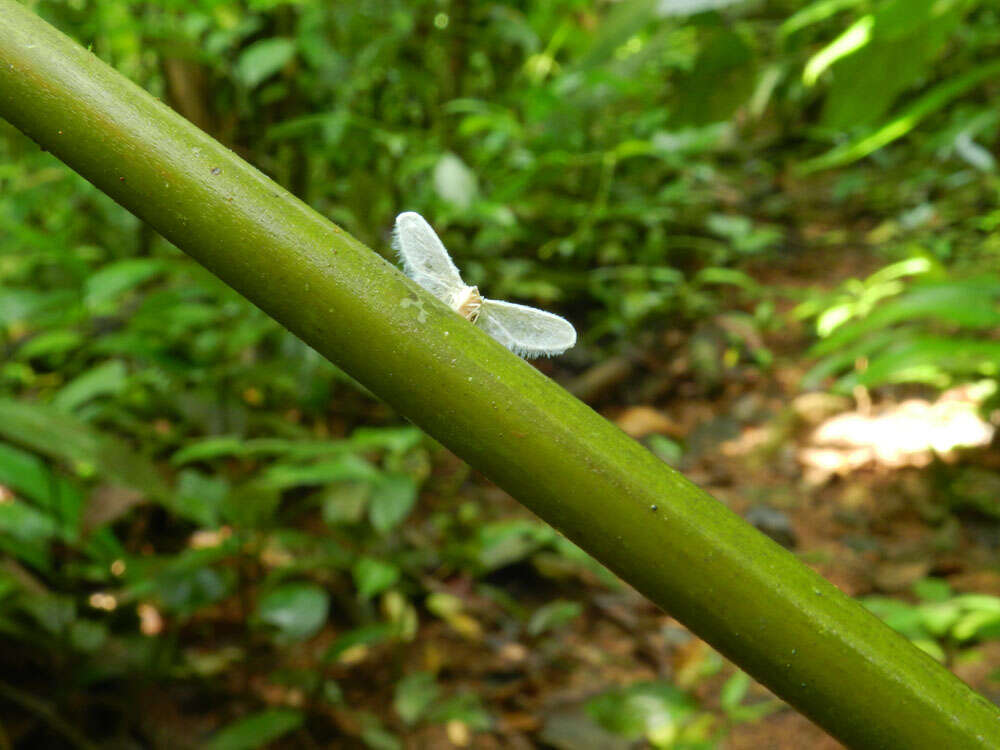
(940, 620)
(911, 322)
(185, 487)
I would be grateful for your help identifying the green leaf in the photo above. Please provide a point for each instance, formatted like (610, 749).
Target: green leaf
(681, 8)
(263, 59)
(728, 276)
(200, 497)
(814, 13)
(977, 624)
(904, 122)
(394, 439)
(392, 498)
(414, 695)
(898, 615)
(332, 692)
(345, 502)
(87, 636)
(444, 605)
(343, 468)
(48, 431)
(734, 691)
(25, 473)
(61, 500)
(22, 305)
(667, 450)
(731, 697)
(251, 504)
(256, 730)
(930, 647)
(553, 615)
(36, 553)
(967, 303)
(373, 576)
(209, 448)
(624, 21)
(52, 433)
(107, 378)
(978, 602)
(103, 288)
(364, 636)
(297, 610)
(23, 522)
(932, 590)
(856, 36)
(162, 577)
(847, 357)
(939, 617)
(464, 707)
(185, 590)
(376, 736)
(57, 341)
(653, 710)
(53, 612)
(721, 81)
(504, 542)
(883, 54)
(220, 446)
(932, 360)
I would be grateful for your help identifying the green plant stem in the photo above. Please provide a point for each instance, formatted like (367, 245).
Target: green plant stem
(734, 587)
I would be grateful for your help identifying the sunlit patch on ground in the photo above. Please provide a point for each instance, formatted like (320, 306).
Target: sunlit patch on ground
(909, 433)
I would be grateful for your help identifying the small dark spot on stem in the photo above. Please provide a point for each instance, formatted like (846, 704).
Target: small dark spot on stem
(216, 170)
(654, 508)
(121, 179)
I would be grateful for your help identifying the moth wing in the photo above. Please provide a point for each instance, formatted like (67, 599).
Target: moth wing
(526, 331)
(425, 259)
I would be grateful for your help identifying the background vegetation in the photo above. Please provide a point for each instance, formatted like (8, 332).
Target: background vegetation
(758, 214)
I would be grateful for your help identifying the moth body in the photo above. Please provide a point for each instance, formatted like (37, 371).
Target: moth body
(468, 302)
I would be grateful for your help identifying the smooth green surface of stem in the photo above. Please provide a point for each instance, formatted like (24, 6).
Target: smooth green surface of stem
(731, 585)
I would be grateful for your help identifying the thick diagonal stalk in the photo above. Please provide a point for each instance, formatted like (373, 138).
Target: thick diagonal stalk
(734, 587)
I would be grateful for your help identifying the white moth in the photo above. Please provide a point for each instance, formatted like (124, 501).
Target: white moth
(526, 331)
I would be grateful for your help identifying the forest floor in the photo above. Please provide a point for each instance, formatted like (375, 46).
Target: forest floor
(839, 481)
(863, 488)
